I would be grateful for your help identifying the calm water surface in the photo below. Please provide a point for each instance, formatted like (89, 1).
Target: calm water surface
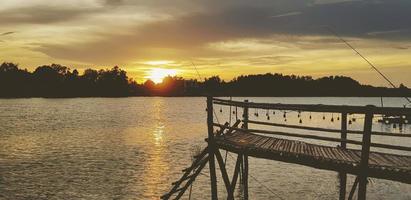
(133, 148)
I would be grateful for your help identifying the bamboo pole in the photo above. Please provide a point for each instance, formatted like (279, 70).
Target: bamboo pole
(245, 156)
(343, 175)
(359, 132)
(245, 175)
(316, 107)
(365, 151)
(211, 148)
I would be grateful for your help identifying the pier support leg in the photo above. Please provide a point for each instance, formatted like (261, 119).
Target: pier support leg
(343, 175)
(354, 187)
(245, 176)
(235, 176)
(343, 185)
(365, 151)
(362, 187)
(211, 148)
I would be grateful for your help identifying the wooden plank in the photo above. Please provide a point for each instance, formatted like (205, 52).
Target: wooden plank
(260, 144)
(269, 143)
(379, 159)
(262, 141)
(346, 155)
(277, 145)
(316, 108)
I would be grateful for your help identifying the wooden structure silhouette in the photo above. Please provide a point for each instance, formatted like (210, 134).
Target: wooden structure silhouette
(262, 143)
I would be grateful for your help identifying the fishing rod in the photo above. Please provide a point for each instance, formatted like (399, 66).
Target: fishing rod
(365, 59)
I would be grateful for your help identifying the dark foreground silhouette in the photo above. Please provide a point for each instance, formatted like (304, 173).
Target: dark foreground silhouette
(59, 81)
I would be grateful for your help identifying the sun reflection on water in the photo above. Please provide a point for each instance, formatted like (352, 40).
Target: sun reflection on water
(158, 134)
(156, 166)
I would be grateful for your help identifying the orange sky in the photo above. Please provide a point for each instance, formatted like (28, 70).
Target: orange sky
(227, 38)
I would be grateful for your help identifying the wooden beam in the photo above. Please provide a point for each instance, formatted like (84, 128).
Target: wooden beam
(359, 132)
(235, 177)
(245, 116)
(354, 187)
(343, 130)
(245, 176)
(223, 170)
(189, 182)
(365, 151)
(211, 148)
(342, 175)
(316, 107)
(343, 184)
(183, 178)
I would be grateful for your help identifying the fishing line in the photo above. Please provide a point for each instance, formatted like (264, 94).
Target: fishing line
(199, 76)
(364, 58)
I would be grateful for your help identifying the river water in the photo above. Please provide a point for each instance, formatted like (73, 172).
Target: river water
(133, 148)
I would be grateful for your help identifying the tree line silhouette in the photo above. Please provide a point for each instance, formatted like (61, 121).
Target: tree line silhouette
(60, 81)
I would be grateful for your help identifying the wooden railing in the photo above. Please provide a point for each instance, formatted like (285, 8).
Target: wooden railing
(368, 111)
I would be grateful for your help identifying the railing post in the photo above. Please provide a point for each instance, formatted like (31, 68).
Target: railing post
(245, 175)
(365, 151)
(344, 130)
(211, 147)
(343, 175)
(245, 156)
(245, 116)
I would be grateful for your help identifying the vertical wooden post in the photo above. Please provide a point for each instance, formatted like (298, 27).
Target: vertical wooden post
(235, 176)
(245, 116)
(343, 130)
(245, 156)
(245, 175)
(211, 147)
(365, 151)
(343, 175)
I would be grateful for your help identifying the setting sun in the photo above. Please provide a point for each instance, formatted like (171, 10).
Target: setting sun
(157, 74)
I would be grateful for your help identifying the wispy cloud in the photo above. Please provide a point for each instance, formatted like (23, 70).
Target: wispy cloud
(7, 33)
(287, 14)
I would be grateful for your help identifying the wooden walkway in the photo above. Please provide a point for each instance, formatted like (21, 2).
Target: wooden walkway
(381, 165)
(265, 143)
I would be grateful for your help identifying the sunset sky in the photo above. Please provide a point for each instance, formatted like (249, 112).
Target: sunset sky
(226, 38)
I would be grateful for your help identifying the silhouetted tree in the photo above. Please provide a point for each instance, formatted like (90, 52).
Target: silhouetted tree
(59, 81)
(14, 82)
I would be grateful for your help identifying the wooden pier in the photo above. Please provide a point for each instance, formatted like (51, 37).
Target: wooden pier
(238, 138)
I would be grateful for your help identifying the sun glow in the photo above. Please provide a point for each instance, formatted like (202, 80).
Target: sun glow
(158, 62)
(158, 74)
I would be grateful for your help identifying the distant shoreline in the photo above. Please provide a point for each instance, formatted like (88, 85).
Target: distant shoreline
(115, 97)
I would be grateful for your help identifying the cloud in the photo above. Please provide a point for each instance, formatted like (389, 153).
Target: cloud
(287, 14)
(188, 35)
(7, 33)
(43, 15)
(319, 2)
(113, 2)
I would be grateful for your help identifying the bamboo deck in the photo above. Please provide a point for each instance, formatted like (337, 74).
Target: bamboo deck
(381, 165)
(263, 143)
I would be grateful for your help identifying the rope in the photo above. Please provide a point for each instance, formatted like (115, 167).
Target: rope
(215, 115)
(199, 76)
(267, 188)
(195, 67)
(191, 189)
(262, 184)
